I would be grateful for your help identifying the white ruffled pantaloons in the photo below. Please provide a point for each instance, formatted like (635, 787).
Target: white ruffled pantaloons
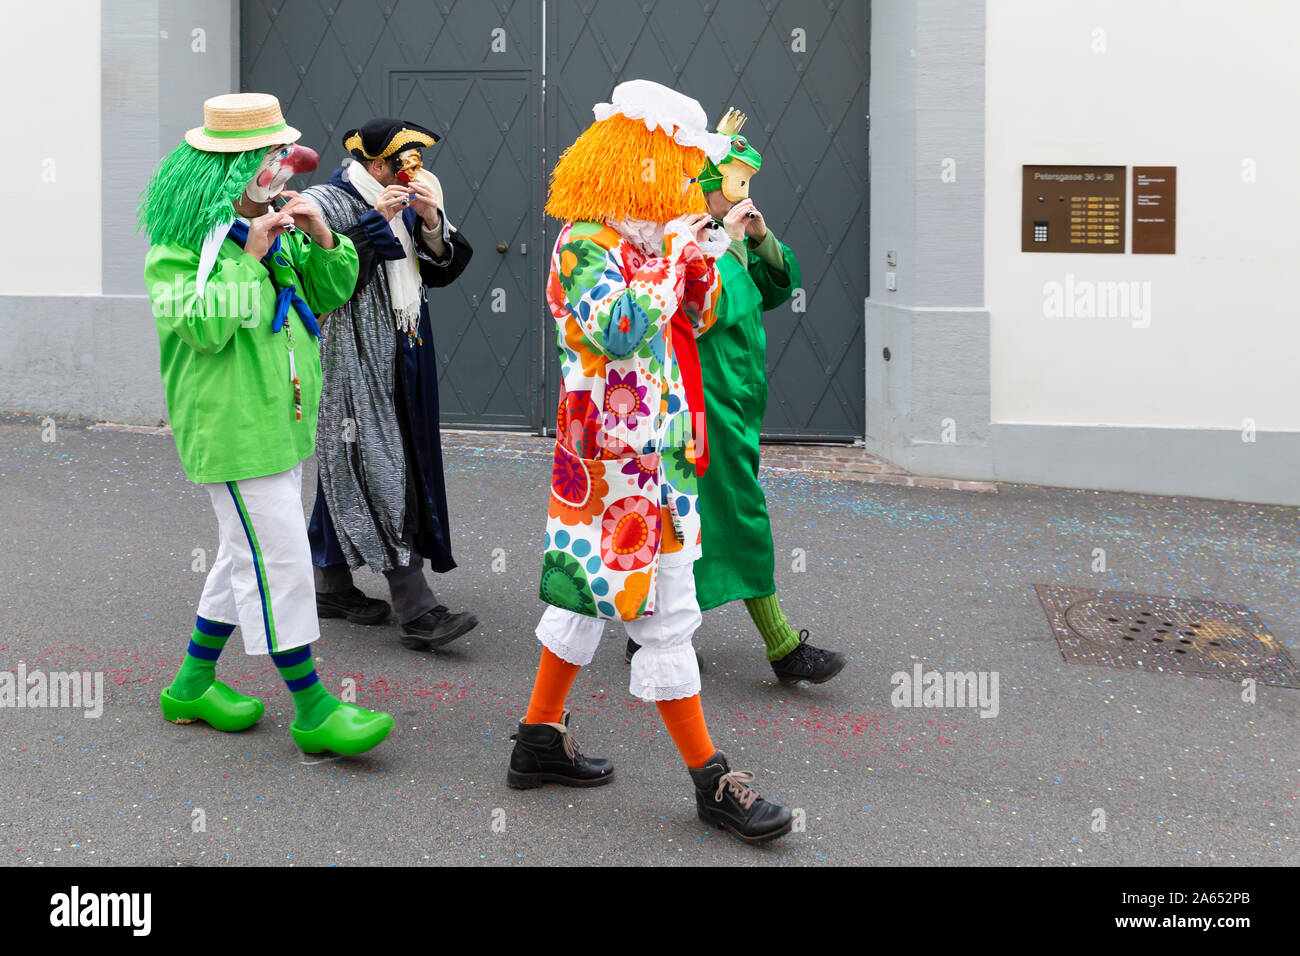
(665, 668)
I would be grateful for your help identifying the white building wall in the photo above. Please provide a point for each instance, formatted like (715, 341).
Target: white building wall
(1211, 88)
(50, 167)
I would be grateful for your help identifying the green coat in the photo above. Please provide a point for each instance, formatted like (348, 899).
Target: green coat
(738, 559)
(225, 374)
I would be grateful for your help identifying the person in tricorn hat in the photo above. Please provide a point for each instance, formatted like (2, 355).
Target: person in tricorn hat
(237, 287)
(380, 499)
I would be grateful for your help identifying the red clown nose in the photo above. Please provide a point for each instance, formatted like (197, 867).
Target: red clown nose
(301, 159)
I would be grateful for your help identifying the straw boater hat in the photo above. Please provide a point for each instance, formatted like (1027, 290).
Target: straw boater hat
(235, 122)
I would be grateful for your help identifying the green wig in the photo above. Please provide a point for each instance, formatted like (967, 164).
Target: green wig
(191, 192)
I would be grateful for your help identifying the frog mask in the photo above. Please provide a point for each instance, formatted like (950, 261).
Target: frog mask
(733, 174)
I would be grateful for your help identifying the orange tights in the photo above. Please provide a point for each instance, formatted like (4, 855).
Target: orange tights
(684, 717)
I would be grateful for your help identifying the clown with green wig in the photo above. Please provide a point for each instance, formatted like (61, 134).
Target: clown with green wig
(758, 273)
(239, 270)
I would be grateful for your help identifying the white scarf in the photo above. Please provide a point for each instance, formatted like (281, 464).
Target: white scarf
(646, 236)
(405, 289)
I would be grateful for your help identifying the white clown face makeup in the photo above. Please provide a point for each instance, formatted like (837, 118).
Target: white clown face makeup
(278, 165)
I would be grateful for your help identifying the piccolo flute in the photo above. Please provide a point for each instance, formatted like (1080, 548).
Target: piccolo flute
(278, 203)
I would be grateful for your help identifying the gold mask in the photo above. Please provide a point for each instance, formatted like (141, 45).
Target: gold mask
(409, 164)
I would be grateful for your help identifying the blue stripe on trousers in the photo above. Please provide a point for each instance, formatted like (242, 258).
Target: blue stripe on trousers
(257, 566)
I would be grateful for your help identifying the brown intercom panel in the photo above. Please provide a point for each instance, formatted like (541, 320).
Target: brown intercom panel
(1073, 209)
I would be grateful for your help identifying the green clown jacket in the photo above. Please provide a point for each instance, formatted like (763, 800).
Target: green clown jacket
(738, 559)
(226, 375)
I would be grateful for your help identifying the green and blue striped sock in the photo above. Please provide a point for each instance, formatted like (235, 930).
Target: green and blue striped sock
(310, 698)
(199, 669)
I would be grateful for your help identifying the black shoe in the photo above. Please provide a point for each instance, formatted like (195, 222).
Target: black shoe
(353, 605)
(726, 799)
(436, 628)
(548, 753)
(809, 663)
(633, 647)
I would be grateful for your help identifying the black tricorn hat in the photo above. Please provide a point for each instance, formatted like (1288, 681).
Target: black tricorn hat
(385, 136)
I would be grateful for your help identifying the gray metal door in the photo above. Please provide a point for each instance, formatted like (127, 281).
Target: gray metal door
(799, 70)
(470, 71)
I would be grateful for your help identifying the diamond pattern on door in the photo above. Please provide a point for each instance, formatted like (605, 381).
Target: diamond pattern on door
(484, 322)
(807, 115)
(470, 71)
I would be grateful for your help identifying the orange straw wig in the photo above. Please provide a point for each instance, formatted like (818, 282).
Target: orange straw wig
(619, 169)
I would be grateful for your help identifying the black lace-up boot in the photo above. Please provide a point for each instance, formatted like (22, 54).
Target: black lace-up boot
(547, 753)
(809, 663)
(726, 798)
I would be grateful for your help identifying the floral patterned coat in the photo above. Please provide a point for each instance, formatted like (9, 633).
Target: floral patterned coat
(623, 487)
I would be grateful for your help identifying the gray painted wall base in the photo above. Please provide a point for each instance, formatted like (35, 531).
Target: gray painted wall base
(1190, 462)
(928, 405)
(81, 357)
(938, 374)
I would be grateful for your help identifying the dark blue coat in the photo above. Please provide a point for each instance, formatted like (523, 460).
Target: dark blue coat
(415, 391)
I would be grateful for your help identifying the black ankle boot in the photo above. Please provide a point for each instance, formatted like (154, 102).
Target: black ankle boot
(548, 753)
(352, 604)
(809, 663)
(725, 798)
(436, 628)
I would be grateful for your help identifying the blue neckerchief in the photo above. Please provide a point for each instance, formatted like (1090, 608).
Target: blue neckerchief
(287, 293)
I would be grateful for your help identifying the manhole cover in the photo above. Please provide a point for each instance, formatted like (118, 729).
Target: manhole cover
(1166, 634)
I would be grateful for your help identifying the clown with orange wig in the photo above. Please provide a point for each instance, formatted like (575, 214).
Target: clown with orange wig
(632, 284)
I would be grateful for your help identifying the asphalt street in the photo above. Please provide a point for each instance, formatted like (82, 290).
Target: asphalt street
(100, 531)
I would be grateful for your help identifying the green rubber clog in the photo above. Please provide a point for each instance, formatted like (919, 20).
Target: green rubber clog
(348, 730)
(218, 707)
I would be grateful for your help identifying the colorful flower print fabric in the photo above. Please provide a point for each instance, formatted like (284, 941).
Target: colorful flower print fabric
(623, 486)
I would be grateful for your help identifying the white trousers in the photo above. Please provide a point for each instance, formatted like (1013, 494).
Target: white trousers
(262, 578)
(665, 667)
